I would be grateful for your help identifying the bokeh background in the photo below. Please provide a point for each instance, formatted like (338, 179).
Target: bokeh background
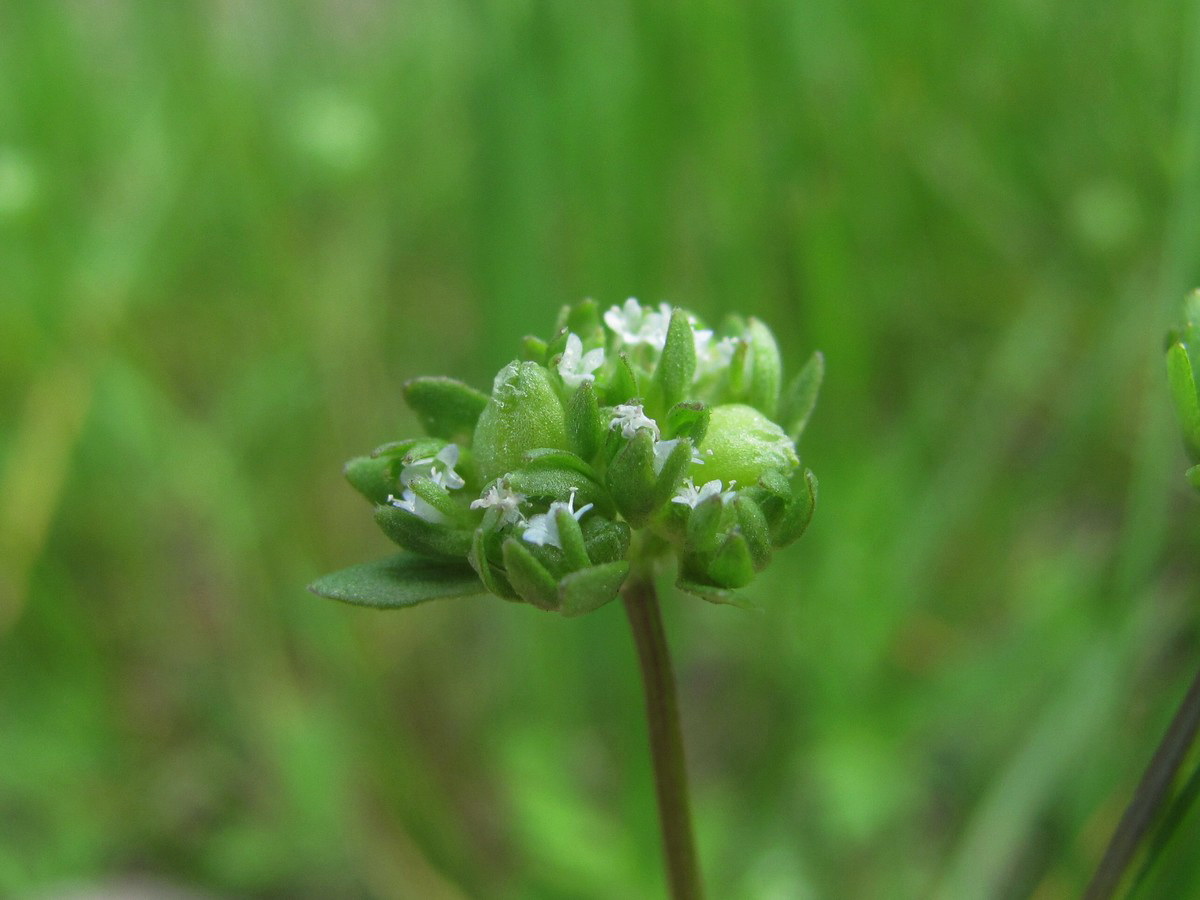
(230, 230)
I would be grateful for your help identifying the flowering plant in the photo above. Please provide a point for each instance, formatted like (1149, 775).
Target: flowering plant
(627, 440)
(629, 437)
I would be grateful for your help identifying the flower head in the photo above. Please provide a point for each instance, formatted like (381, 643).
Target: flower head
(575, 366)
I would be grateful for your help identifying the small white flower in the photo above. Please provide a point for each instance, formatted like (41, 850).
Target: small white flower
(634, 324)
(500, 496)
(543, 528)
(630, 418)
(439, 469)
(422, 509)
(575, 366)
(690, 495)
(663, 451)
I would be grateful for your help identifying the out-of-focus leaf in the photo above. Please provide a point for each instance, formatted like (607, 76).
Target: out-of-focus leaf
(398, 581)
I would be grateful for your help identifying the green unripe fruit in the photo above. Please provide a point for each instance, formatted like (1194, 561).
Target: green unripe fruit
(741, 444)
(523, 414)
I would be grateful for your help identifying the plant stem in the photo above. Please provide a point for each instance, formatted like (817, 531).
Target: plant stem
(1149, 797)
(666, 738)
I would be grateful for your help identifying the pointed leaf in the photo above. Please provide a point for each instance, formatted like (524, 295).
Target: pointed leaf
(714, 594)
(677, 363)
(1182, 381)
(689, 420)
(373, 477)
(529, 577)
(800, 398)
(426, 538)
(766, 369)
(585, 423)
(589, 589)
(446, 407)
(398, 581)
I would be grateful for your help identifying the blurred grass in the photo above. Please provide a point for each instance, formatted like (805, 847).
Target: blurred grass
(229, 231)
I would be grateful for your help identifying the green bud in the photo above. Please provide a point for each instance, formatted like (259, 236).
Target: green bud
(446, 407)
(741, 444)
(523, 414)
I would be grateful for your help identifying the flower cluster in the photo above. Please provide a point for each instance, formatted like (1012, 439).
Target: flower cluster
(584, 459)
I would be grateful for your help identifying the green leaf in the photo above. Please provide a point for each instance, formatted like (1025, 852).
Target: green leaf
(733, 566)
(589, 589)
(551, 458)
(585, 423)
(1182, 381)
(606, 540)
(689, 420)
(713, 594)
(551, 484)
(373, 477)
(631, 479)
(624, 385)
(1193, 477)
(529, 577)
(533, 349)
(398, 581)
(798, 512)
(427, 538)
(755, 530)
(800, 397)
(446, 407)
(571, 537)
(766, 369)
(677, 364)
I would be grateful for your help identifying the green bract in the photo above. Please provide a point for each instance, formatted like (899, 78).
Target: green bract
(625, 439)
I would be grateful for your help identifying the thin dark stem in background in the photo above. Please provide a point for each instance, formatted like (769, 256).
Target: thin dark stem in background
(666, 738)
(1149, 797)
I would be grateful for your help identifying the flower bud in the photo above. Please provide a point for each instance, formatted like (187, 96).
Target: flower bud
(523, 414)
(741, 444)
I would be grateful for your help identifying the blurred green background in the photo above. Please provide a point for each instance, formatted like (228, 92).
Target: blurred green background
(230, 230)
